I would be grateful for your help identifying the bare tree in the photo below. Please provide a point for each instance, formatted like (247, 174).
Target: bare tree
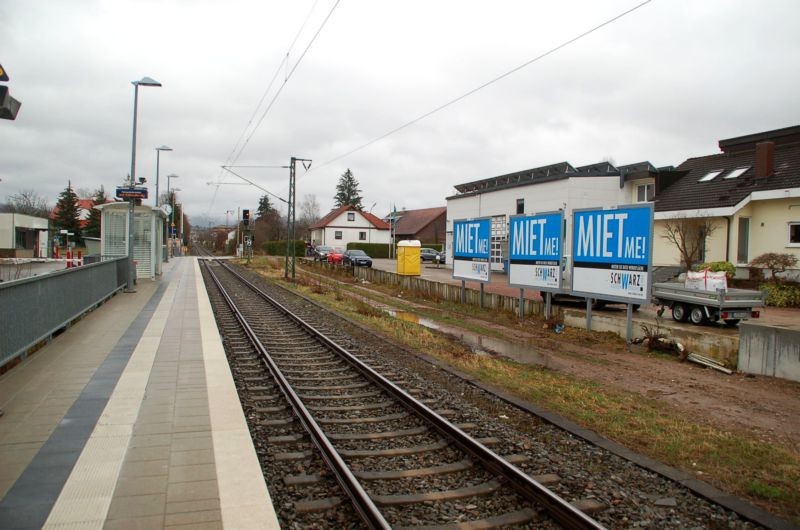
(309, 209)
(27, 202)
(689, 237)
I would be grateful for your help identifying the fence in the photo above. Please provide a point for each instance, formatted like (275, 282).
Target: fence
(32, 309)
(445, 291)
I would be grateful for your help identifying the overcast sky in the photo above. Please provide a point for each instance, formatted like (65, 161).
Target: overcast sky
(663, 83)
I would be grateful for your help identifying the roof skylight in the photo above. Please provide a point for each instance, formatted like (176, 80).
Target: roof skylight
(711, 175)
(736, 172)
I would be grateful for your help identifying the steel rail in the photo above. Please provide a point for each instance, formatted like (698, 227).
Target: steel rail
(562, 511)
(362, 502)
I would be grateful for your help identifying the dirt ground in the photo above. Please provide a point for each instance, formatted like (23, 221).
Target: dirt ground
(767, 408)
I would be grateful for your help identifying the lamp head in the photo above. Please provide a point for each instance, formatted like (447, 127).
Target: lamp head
(146, 81)
(163, 148)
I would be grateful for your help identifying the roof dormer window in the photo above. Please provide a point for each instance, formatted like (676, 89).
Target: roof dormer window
(711, 175)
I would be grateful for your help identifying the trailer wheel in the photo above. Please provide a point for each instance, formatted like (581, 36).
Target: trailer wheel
(731, 322)
(679, 313)
(697, 315)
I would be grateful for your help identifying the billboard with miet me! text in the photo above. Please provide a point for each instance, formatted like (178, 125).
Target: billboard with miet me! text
(612, 253)
(472, 249)
(535, 248)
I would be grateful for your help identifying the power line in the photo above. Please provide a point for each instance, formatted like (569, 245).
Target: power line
(484, 85)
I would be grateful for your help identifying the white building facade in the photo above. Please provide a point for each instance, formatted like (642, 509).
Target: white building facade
(349, 225)
(546, 189)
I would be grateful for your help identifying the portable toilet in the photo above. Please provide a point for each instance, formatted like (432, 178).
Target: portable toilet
(408, 258)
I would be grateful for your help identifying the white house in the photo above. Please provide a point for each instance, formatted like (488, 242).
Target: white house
(348, 224)
(548, 188)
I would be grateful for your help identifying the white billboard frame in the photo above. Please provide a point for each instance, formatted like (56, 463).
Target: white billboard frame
(473, 268)
(559, 288)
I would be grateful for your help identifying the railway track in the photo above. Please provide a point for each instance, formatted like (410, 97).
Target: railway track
(349, 444)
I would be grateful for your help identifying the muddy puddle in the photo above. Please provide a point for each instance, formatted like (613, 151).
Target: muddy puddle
(523, 352)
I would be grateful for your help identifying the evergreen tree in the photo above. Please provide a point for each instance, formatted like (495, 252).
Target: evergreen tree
(93, 224)
(347, 191)
(265, 207)
(67, 215)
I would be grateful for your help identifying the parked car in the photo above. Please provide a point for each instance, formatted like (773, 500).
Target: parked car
(335, 255)
(321, 253)
(356, 257)
(430, 254)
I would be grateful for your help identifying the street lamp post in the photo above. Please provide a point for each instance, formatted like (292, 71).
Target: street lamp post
(171, 208)
(145, 81)
(158, 153)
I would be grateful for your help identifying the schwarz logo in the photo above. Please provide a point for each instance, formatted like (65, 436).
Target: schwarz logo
(623, 280)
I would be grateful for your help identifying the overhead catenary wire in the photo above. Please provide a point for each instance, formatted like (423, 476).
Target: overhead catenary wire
(234, 156)
(484, 85)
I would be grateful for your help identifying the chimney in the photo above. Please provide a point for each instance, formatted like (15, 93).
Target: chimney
(765, 159)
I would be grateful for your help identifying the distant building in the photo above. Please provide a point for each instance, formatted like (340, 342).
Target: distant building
(426, 225)
(549, 188)
(348, 224)
(750, 192)
(23, 236)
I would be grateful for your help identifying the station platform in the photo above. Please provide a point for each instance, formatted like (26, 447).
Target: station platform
(130, 419)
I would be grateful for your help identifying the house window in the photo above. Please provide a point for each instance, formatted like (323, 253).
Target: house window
(645, 192)
(351, 216)
(337, 234)
(520, 206)
(362, 236)
(794, 234)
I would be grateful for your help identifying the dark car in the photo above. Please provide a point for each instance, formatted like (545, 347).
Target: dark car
(430, 254)
(356, 257)
(321, 253)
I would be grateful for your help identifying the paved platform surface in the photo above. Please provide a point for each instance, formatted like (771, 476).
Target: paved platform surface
(130, 419)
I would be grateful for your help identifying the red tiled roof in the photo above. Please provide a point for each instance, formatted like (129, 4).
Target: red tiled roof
(333, 214)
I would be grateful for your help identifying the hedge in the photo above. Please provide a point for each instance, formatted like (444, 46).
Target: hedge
(278, 248)
(374, 250)
(381, 250)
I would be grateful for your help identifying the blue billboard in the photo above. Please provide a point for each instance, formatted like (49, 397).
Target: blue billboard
(535, 248)
(472, 248)
(612, 252)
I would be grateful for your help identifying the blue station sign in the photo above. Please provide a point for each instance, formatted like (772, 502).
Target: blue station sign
(612, 252)
(131, 193)
(472, 249)
(535, 249)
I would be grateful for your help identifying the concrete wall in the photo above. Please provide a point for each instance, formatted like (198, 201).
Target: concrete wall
(770, 350)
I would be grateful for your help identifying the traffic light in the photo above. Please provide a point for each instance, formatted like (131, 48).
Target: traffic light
(246, 217)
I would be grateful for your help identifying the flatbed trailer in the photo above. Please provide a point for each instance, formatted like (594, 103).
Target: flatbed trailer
(699, 307)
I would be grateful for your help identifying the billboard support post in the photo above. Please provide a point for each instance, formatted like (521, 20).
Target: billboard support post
(548, 302)
(481, 303)
(589, 302)
(521, 304)
(463, 292)
(629, 329)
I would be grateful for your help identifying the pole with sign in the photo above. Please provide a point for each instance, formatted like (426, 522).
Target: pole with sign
(471, 251)
(535, 249)
(612, 254)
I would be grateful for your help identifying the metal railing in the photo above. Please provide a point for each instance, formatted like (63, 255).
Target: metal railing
(32, 309)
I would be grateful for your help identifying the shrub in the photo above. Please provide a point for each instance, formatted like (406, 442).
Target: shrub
(775, 262)
(278, 248)
(719, 266)
(782, 294)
